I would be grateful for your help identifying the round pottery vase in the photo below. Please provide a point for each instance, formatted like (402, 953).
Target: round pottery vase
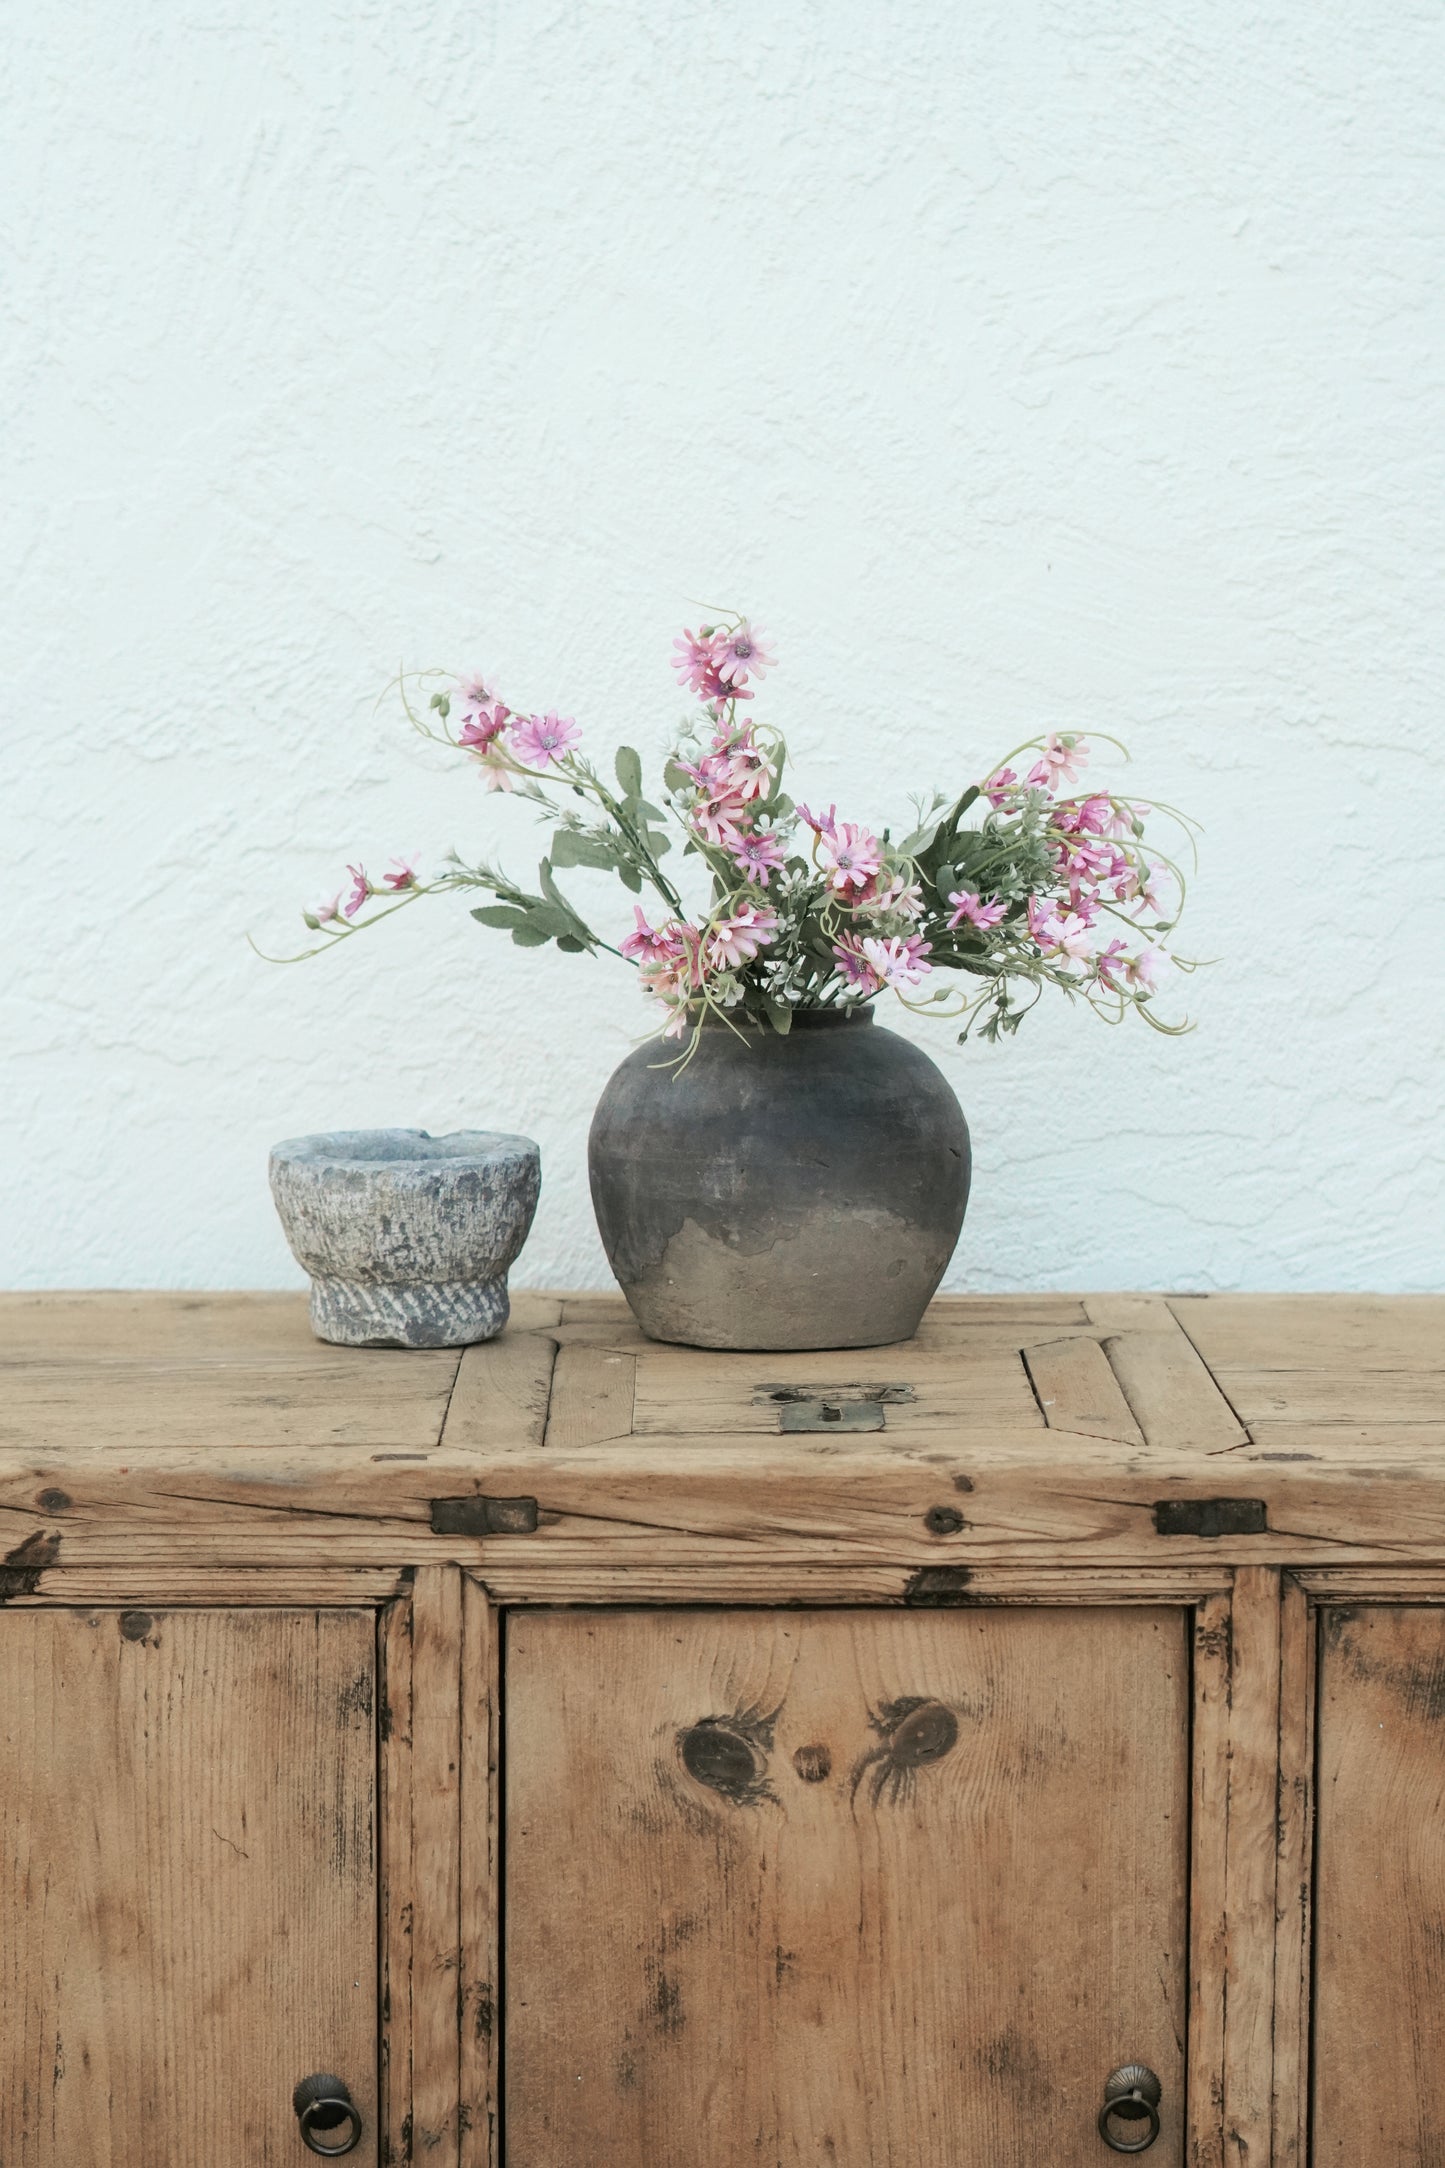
(804, 1191)
(407, 1237)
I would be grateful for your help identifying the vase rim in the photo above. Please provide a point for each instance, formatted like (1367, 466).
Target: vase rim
(803, 1020)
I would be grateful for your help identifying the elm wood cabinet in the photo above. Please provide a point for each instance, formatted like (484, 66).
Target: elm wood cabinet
(595, 1752)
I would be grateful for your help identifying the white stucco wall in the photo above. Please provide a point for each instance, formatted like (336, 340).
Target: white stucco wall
(1018, 364)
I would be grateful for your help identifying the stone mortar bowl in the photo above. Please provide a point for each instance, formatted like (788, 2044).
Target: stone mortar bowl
(407, 1237)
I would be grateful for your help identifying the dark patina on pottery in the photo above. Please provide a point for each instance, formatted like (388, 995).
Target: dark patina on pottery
(804, 1191)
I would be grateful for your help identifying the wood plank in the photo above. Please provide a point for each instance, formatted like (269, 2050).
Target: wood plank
(92, 1323)
(972, 1389)
(356, 1397)
(223, 1587)
(501, 1394)
(394, 1818)
(833, 1963)
(780, 1581)
(478, 1997)
(1293, 1876)
(1390, 1333)
(1337, 1393)
(1253, 1773)
(592, 1397)
(436, 1613)
(1174, 1400)
(1208, 1882)
(188, 1911)
(1380, 1888)
(1078, 1391)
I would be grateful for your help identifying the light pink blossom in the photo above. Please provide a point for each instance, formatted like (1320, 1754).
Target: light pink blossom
(743, 654)
(1140, 885)
(849, 855)
(897, 896)
(735, 941)
(1059, 762)
(696, 659)
(543, 741)
(898, 961)
(495, 773)
(328, 909)
(360, 890)
(749, 772)
(717, 819)
(402, 874)
(676, 974)
(972, 910)
(1144, 971)
(822, 824)
(1000, 787)
(1066, 936)
(650, 944)
(758, 855)
(472, 698)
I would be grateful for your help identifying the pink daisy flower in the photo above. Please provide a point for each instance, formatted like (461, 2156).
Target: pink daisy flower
(1059, 762)
(402, 875)
(695, 661)
(1144, 971)
(543, 741)
(472, 697)
(743, 654)
(650, 944)
(898, 962)
(822, 824)
(854, 965)
(736, 941)
(1110, 966)
(716, 820)
(758, 855)
(1000, 788)
(361, 888)
(972, 910)
(849, 855)
(480, 729)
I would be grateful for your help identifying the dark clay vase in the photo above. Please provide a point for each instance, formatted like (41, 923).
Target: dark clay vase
(797, 1192)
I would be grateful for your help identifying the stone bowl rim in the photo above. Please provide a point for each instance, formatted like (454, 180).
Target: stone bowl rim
(322, 1151)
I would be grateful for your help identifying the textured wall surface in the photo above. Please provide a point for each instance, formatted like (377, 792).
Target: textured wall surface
(1017, 364)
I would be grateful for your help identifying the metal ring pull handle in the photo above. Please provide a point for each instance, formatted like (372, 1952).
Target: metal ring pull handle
(330, 2119)
(1131, 2095)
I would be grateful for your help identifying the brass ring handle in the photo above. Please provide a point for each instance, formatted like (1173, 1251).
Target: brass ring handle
(330, 2119)
(1131, 2095)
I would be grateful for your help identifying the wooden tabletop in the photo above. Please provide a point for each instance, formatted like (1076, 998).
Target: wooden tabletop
(1013, 1428)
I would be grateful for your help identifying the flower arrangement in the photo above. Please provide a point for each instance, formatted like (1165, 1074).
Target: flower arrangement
(1054, 885)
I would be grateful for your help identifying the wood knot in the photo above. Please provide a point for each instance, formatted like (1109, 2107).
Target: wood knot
(813, 1763)
(724, 1757)
(925, 1734)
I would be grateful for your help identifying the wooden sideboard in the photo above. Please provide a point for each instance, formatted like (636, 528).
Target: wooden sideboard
(596, 1754)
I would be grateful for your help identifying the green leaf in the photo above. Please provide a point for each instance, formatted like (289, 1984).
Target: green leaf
(530, 937)
(658, 843)
(676, 778)
(499, 914)
(571, 944)
(629, 771)
(780, 1016)
(630, 878)
(571, 849)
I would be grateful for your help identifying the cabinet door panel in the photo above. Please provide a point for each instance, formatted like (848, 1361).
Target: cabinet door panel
(1379, 2040)
(869, 1889)
(188, 1902)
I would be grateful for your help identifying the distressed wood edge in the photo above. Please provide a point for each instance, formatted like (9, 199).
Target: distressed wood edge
(174, 1585)
(1208, 1890)
(479, 1981)
(1371, 1584)
(1251, 1863)
(1294, 1877)
(395, 1874)
(784, 1583)
(436, 1658)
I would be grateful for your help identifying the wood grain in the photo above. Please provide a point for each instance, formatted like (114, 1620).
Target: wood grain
(1380, 1889)
(592, 1396)
(478, 2002)
(436, 1617)
(396, 1871)
(1254, 1679)
(501, 1394)
(1078, 1391)
(1209, 1882)
(188, 1904)
(853, 1961)
(1293, 1878)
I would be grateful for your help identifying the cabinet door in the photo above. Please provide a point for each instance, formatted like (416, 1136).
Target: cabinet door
(869, 1889)
(1379, 2035)
(187, 1887)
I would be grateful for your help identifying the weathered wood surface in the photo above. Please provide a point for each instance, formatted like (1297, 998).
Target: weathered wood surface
(927, 1891)
(212, 1431)
(187, 1882)
(1379, 2034)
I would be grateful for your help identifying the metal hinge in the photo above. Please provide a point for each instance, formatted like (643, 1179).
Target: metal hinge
(483, 1516)
(1210, 1517)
